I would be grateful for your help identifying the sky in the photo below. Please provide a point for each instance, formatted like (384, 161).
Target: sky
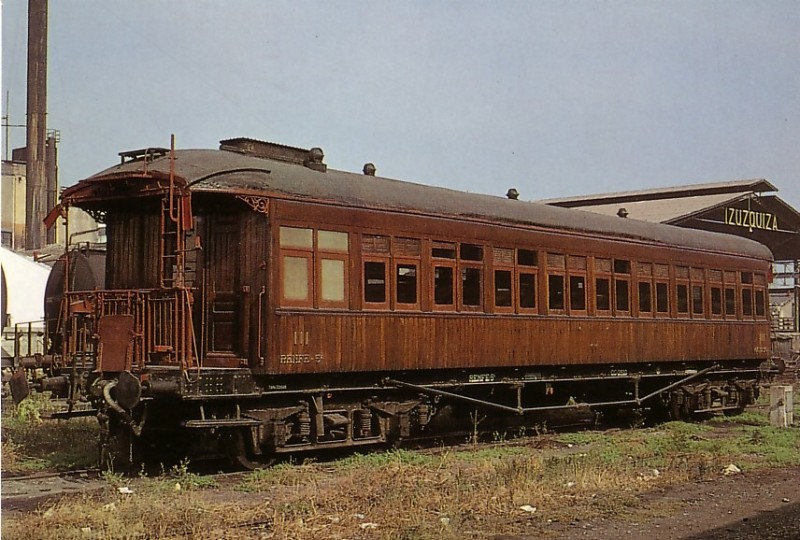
(555, 98)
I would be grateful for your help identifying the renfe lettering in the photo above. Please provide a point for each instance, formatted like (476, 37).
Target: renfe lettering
(301, 358)
(750, 220)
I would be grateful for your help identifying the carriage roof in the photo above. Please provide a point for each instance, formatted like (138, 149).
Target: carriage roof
(231, 172)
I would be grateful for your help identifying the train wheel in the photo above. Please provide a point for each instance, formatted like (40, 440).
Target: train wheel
(236, 448)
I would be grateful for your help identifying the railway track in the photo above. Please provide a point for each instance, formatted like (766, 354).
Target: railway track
(27, 492)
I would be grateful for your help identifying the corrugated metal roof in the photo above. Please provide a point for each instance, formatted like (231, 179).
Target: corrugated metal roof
(224, 171)
(665, 210)
(756, 185)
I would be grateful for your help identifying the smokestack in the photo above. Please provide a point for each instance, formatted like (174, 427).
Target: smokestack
(51, 173)
(36, 188)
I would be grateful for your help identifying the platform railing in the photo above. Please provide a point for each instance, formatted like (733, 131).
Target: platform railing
(161, 331)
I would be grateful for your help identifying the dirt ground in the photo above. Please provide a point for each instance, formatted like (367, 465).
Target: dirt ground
(760, 504)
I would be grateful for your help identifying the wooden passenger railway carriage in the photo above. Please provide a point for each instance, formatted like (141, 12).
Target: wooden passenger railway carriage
(266, 302)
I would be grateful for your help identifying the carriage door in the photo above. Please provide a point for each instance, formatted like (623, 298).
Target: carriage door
(221, 276)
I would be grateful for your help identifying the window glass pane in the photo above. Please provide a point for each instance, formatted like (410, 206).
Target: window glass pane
(471, 252)
(662, 298)
(760, 305)
(697, 299)
(683, 298)
(747, 302)
(555, 290)
(374, 282)
(295, 278)
(294, 237)
(577, 292)
(502, 288)
(443, 285)
(747, 277)
(442, 250)
(526, 257)
(623, 302)
(471, 286)
(622, 266)
(730, 302)
(716, 300)
(645, 298)
(406, 283)
(333, 289)
(527, 290)
(332, 241)
(603, 293)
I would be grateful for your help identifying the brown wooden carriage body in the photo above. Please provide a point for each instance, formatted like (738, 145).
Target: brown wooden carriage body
(294, 276)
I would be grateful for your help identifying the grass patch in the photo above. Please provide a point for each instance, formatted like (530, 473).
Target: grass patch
(33, 443)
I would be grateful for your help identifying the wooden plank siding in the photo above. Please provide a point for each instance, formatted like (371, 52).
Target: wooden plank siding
(350, 342)
(311, 338)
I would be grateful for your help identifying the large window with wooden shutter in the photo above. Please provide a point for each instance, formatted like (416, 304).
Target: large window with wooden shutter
(314, 267)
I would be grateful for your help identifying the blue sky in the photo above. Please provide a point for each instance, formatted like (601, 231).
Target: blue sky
(556, 98)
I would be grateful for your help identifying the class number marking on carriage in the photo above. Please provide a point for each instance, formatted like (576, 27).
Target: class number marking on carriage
(301, 358)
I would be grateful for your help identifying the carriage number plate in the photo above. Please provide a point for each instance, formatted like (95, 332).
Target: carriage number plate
(301, 358)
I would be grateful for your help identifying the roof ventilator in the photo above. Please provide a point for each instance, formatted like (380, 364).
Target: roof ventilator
(288, 154)
(314, 160)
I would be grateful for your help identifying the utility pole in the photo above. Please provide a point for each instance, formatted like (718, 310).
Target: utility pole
(36, 136)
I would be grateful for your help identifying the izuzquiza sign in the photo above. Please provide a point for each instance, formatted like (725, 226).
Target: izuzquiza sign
(750, 219)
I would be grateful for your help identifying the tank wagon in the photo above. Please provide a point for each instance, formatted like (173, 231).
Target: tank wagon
(258, 303)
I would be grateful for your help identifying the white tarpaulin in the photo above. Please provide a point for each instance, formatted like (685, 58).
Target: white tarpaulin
(25, 284)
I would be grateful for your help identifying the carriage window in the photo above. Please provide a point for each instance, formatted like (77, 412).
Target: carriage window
(443, 286)
(502, 288)
(645, 298)
(555, 291)
(730, 301)
(406, 280)
(622, 266)
(526, 257)
(747, 302)
(662, 298)
(760, 303)
(443, 250)
(295, 278)
(602, 288)
(716, 301)
(577, 293)
(471, 252)
(298, 238)
(332, 241)
(697, 299)
(621, 289)
(747, 278)
(375, 282)
(683, 298)
(527, 291)
(471, 286)
(332, 280)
